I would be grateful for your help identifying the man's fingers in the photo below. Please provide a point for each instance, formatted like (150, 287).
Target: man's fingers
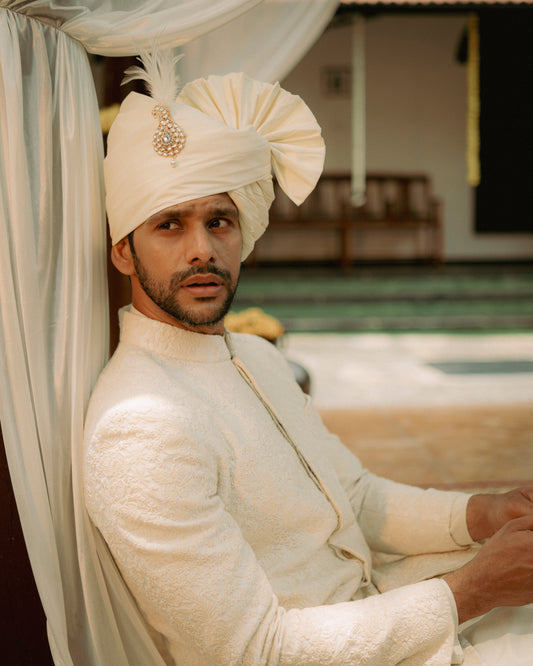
(527, 493)
(521, 523)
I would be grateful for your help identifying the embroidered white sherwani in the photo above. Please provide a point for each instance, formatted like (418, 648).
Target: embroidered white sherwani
(246, 532)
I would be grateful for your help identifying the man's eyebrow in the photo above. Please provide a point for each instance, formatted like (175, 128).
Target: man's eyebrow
(224, 211)
(218, 211)
(170, 212)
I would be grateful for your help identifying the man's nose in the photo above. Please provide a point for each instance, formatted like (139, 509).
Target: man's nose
(200, 246)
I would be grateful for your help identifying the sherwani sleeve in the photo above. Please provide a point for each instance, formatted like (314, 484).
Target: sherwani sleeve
(395, 517)
(151, 489)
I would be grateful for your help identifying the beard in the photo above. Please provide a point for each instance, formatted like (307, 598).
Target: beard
(165, 294)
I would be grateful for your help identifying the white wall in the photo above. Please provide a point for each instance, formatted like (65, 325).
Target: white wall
(416, 110)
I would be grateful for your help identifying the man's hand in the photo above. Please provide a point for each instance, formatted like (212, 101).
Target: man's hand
(501, 574)
(486, 514)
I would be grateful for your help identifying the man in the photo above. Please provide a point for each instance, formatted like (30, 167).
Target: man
(246, 532)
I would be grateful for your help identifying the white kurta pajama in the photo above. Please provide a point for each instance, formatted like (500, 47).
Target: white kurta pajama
(243, 528)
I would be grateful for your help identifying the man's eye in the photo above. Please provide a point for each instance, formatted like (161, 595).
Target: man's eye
(168, 225)
(218, 223)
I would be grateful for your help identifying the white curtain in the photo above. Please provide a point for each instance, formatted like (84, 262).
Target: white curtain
(53, 295)
(266, 42)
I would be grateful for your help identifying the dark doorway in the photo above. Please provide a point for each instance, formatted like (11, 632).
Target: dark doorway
(504, 198)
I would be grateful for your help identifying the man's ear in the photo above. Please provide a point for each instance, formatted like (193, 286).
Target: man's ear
(122, 257)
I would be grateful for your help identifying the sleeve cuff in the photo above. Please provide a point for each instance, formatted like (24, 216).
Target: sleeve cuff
(458, 528)
(457, 654)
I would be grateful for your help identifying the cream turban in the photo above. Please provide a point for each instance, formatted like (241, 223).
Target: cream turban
(237, 131)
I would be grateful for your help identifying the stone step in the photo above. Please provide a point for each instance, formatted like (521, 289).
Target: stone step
(393, 298)
(465, 324)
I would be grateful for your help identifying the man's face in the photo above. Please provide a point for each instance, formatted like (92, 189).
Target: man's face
(184, 263)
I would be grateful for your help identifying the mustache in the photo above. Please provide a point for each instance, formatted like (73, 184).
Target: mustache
(181, 276)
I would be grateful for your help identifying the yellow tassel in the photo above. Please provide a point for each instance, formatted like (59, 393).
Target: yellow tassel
(472, 124)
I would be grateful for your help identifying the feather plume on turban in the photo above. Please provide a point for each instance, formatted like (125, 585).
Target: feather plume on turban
(222, 134)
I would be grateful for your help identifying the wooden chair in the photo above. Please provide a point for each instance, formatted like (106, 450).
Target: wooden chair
(394, 202)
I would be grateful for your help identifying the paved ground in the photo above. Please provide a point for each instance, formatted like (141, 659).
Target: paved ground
(379, 369)
(391, 402)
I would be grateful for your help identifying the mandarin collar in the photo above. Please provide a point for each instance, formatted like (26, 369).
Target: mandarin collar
(177, 343)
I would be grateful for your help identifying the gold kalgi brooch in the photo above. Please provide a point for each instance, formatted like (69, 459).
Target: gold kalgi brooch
(169, 138)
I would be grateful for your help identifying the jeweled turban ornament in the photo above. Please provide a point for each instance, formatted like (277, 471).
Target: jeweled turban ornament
(169, 138)
(159, 73)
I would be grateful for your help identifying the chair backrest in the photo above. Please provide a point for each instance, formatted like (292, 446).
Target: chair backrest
(389, 195)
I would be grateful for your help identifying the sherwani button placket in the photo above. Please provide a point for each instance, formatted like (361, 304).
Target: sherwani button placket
(251, 383)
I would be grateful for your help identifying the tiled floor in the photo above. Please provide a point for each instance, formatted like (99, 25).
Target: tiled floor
(412, 422)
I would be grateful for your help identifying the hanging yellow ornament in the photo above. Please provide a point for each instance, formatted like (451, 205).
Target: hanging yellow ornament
(473, 105)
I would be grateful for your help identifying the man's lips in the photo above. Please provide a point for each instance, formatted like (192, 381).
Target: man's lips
(203, 286)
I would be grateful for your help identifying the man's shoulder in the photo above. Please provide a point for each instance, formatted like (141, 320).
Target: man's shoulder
(132, 378)
(127, 369)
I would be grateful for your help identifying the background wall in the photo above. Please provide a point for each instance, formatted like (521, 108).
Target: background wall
(416, 113)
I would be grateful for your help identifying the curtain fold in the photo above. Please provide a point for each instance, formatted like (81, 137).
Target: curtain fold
(121, 27)
(53, 286)
(53, 322)
(268, 41)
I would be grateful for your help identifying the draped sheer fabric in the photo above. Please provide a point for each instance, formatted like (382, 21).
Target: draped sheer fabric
(272, 37)
(53, 289)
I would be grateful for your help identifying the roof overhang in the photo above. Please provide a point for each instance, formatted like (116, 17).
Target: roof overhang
(432, 3)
